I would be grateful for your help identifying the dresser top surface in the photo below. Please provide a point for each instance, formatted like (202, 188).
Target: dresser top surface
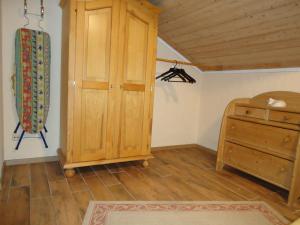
(292, 100)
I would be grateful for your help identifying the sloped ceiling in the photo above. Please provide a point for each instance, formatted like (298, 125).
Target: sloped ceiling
(233, 34)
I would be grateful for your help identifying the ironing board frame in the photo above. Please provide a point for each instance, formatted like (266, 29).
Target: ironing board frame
(22, 136)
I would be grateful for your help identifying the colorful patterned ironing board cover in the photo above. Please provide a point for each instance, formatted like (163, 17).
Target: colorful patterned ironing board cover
(32, 58)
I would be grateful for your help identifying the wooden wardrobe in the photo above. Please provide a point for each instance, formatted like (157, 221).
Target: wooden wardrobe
(107, 81)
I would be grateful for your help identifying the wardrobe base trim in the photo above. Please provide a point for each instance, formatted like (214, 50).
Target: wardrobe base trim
(67, 165)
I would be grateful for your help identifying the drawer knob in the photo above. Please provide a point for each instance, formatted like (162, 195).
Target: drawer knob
(287, 139)
(285, 118)
(232, 127)
(247, 111)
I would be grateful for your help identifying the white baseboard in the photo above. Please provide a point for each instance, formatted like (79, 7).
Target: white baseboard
(31, 160)
(174, 147)
(55, 158)
(1, 175)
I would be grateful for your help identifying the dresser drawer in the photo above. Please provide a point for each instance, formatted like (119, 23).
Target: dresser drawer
(276, 140)
(285, 117)
(250, 112)
(271, 168)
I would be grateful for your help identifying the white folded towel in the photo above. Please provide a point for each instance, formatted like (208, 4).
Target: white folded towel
(276, 103)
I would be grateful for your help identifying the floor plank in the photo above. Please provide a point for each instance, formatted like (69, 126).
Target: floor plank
(66, 211)
(65, 208)
(98, 189)
(60, 188)
(42, 212)
(161, 168)
(120, 193)
(39, 181)
(191, 177)
(17, 210)
(77, 183)
(153, 181)
(54, 171)
(137, 187)
(20, 176)
(107, 178)
(6, 181)
(82, 199)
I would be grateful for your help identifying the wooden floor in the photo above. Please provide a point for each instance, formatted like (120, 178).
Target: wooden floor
(39, 194)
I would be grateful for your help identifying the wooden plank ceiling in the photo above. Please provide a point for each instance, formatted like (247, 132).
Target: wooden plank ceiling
(233, 34)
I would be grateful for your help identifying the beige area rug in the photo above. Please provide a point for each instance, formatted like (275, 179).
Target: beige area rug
(182, 213)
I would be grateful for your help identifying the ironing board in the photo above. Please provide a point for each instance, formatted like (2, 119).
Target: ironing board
(32, 56)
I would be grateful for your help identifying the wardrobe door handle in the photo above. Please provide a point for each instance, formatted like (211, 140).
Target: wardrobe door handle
(282, 169)
(111, 86)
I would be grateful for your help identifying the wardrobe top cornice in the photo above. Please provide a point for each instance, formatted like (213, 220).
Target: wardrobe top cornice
(145, 3)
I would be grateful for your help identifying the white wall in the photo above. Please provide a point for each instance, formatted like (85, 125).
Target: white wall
(12, 14)
(176, 105)
(219, 88)
(1, 100)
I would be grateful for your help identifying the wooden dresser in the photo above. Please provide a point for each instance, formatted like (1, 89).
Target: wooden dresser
(263, 141)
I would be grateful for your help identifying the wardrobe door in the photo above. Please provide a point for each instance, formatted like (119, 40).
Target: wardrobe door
(139, 54)
(93, 78)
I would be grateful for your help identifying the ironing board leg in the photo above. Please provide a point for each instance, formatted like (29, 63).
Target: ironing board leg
(17, 128)
(45, 129)
(45, 143)
(20, 139)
